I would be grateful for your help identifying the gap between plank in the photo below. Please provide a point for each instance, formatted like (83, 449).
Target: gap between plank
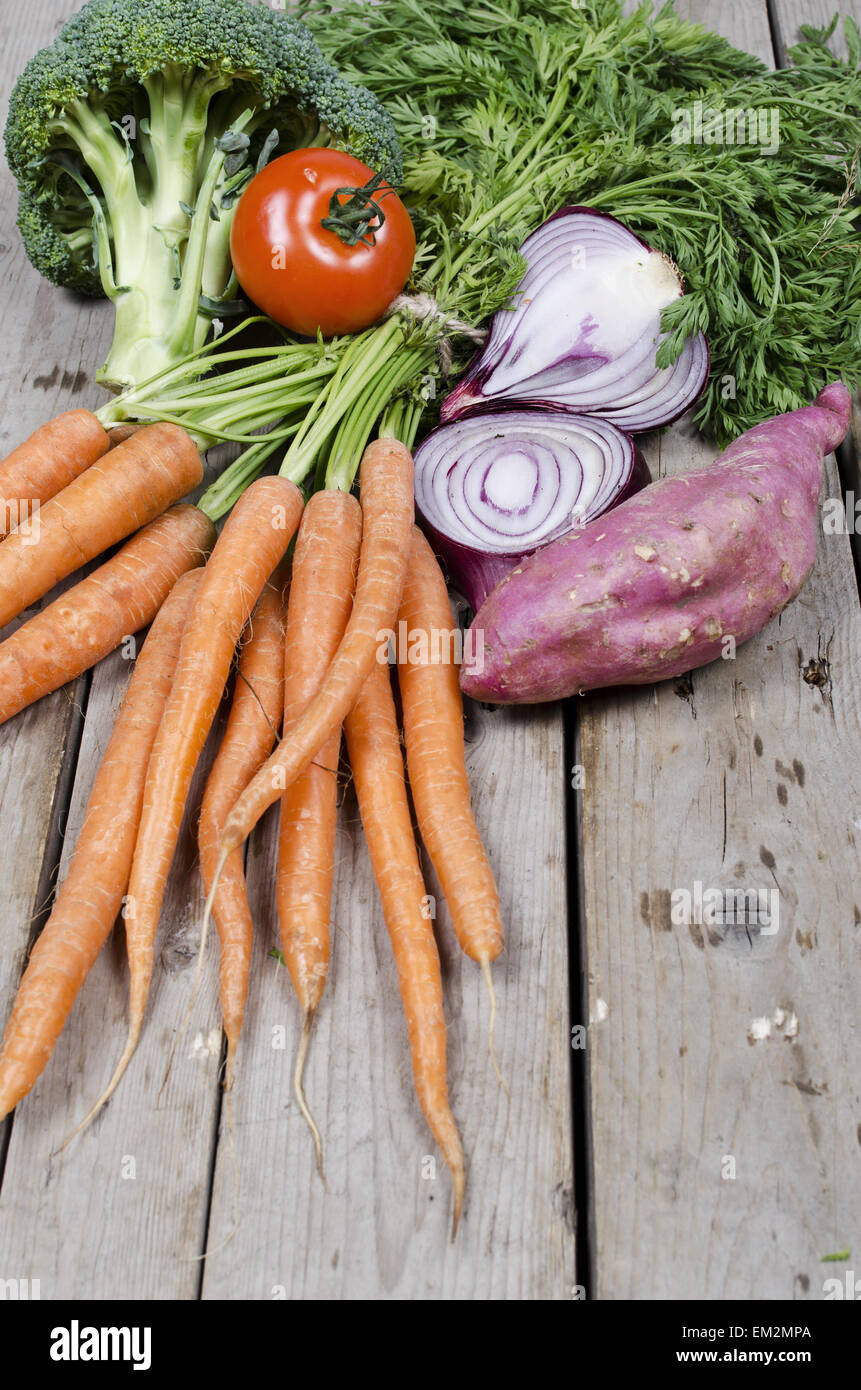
(778, 47)
(578, 1009)
(213, 1158)
(849, 473)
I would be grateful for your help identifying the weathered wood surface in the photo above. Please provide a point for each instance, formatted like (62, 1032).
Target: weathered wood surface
(121, 1212)
(383, 1228)
(748, 779)
(725, 1166)
(124, 1211)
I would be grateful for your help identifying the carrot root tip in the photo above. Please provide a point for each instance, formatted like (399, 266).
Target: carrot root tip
(459, 1180)
(484, 962)
(210, 897)
(230, 1066)
(131, 1044)
(299, 1092)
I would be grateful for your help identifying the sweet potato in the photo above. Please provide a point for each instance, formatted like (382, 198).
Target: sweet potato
(655, 587)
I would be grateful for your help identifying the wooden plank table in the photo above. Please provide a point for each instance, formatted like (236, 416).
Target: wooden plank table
(714, 1112)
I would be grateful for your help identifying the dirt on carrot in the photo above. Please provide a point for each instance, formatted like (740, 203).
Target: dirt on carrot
(120, 433)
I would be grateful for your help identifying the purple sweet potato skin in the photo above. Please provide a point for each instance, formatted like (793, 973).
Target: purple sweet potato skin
(653, 588)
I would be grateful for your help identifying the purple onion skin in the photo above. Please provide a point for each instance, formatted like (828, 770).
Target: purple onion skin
(474, 573)
(654, 588)
(593, 212)
(471, 403)
(467, 397)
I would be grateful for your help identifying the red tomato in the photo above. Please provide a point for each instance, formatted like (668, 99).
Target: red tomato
(299, 272)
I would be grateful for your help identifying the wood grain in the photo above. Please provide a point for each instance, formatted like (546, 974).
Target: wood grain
(745, 776)
(726, 1167)
(382, 1231)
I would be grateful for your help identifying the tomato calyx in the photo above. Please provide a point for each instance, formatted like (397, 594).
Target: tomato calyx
(360, 217)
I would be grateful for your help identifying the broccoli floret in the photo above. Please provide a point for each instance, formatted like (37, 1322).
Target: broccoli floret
(131, 138)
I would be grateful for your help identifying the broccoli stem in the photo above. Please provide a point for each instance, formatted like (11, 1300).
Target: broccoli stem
(148, 316)
(186, 327)
(151, 242)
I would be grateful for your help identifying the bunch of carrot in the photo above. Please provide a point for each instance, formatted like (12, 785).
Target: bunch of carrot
(309, 633)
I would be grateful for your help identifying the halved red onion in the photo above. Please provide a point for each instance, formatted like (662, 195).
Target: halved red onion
(584, 330)
(493, 487)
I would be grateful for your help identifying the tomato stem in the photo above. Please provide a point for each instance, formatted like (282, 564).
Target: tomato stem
(360, 217)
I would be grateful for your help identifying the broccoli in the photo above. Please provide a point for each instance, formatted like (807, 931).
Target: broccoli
(131, 138)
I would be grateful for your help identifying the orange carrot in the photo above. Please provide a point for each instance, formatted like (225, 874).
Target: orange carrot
(90, 897)
(325, 562)
(54, 455)
(433, 731)
(92, 618)
(254, 540)
(386, 482)
(128, 487)
(374, 747)
(252, 728)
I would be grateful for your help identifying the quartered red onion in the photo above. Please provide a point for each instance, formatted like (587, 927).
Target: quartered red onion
(584, 329)
(493, 487)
